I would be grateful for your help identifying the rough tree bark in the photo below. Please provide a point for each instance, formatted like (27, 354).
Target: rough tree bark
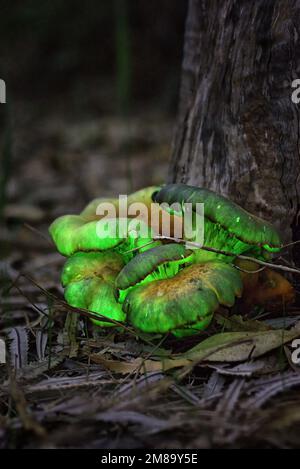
(238, 130)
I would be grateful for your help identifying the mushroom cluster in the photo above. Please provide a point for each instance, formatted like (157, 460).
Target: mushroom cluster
(159, 286)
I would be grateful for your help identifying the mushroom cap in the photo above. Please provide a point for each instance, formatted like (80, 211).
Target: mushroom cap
(96, 296)
(153, 216)
(142, 196)
(271, 291)
(146, 263)
(83, 265)
(188, 299)
(88, 278)
(249, 271)
(161, 222)
(219, 210)
(72, 233)
(89, 212)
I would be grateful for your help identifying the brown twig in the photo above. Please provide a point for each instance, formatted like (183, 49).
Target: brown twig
(231, 254)
(250, 271)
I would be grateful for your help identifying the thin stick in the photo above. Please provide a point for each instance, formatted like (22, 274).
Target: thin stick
(290, 244)
(231, 254)
(39, 233)
(82, 311)
(140, 247)
(250, 271)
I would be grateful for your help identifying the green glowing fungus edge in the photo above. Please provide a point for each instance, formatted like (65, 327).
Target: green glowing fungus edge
(89, 281)
(227, 226)
(157, 263)
(73, 233)
(185, 303)
(143, 196)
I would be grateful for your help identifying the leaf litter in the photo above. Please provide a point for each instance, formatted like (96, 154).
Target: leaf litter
(223, 385)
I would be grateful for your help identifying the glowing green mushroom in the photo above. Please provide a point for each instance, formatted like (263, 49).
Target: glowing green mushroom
(84, 265)
(185, 303)
(89, 278)
(227, 226)
(143, 196)
(154, 264)
(72, 233)
(163, 287)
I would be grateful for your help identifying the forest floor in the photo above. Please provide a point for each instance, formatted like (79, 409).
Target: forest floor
(67, 384)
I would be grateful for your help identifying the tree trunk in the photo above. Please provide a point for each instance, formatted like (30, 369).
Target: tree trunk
(238, 128)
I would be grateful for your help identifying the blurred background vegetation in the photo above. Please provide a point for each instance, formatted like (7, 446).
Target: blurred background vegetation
(94, 56)
(92, 92)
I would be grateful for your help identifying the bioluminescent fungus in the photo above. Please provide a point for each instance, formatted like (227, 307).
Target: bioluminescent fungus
(126, 275)
(143, 196)
(89, 282)
(157, 263)
(184, 303)
(72, 233)
(227, 226)
(264, 287)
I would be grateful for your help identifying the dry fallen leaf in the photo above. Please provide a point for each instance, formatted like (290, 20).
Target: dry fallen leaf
(224, 347)
(240, 346)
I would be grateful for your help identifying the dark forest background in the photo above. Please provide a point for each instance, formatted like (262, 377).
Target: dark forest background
(99, 56)
(92, 91)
